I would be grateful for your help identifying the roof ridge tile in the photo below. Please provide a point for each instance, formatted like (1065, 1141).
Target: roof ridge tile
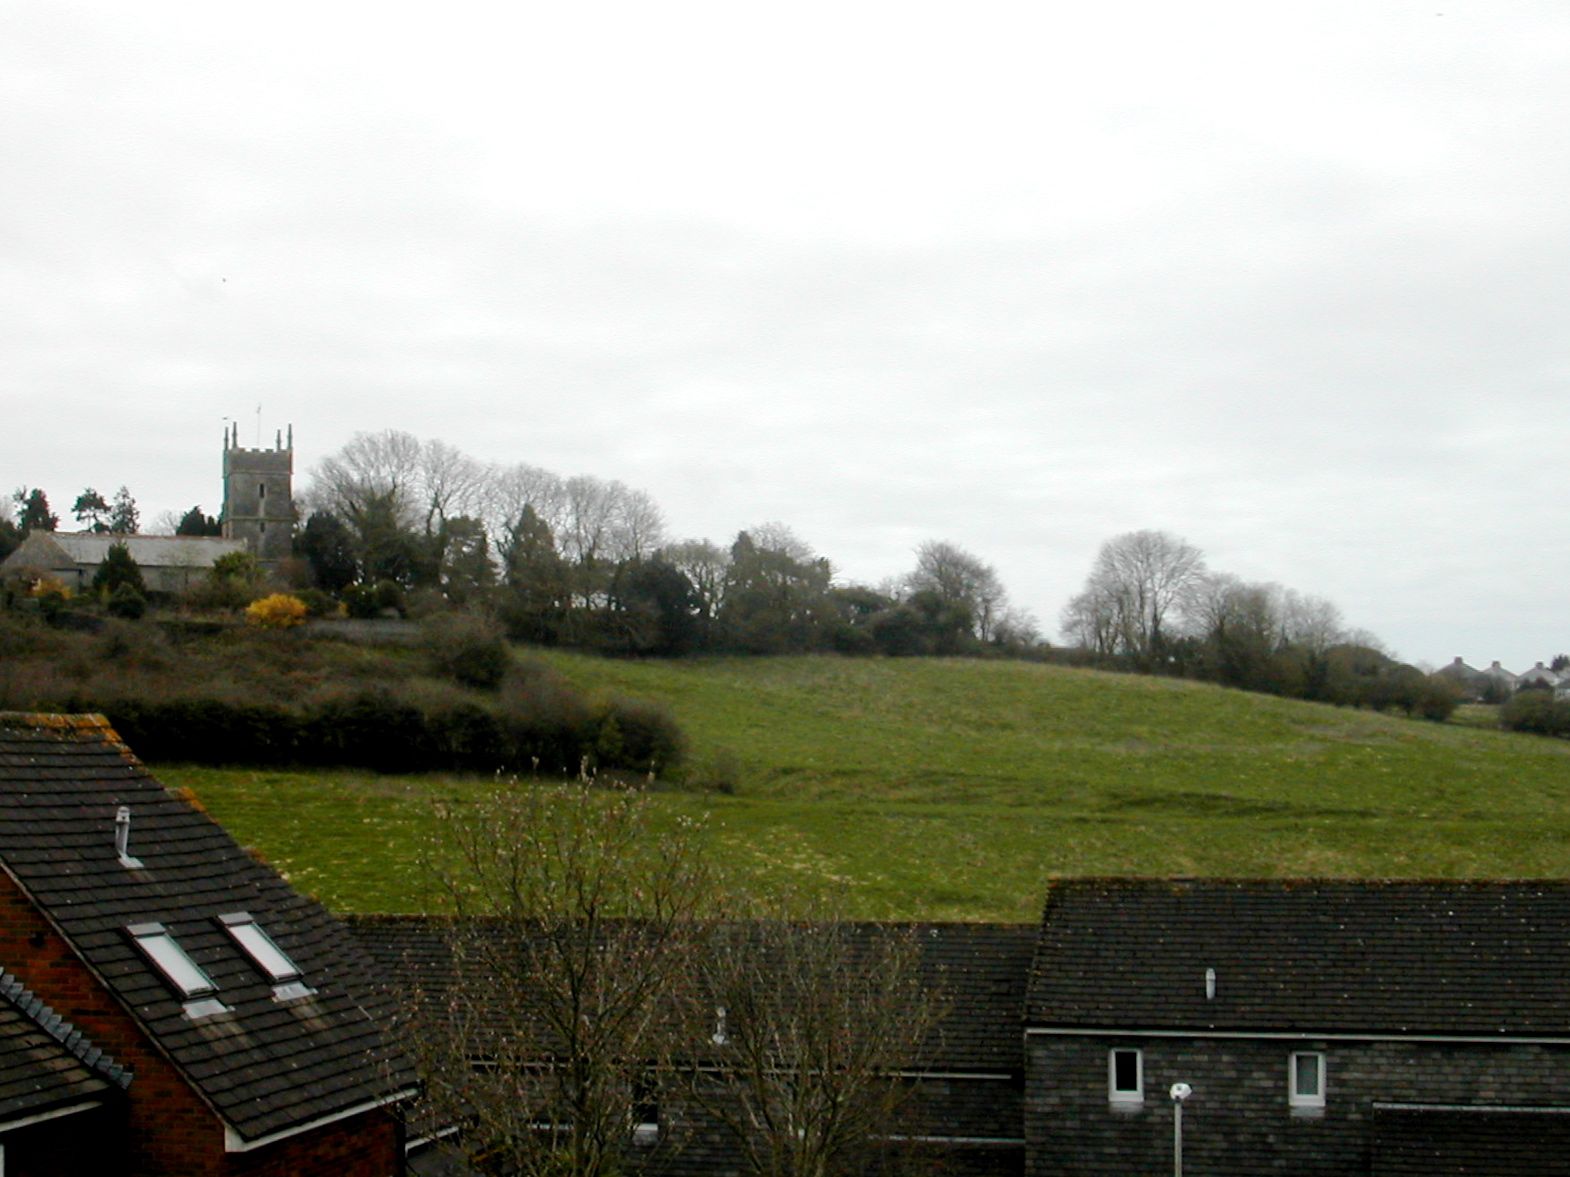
(77, 1044)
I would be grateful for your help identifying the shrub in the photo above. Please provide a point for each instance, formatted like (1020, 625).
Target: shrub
(316, 602)
(720, 772)
(233, 582)
(466, 648)
(466, 735)
(1438, 698)
(278, 611)
(128, 645)
(359, 601)
(637, 734)
(366, 601)
(118, 571)
(372, 728)
(1536, 711)
(125, 602)
(389, 595)
(544, 720)
(47, 587)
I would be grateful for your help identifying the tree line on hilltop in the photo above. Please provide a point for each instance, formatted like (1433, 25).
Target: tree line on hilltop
(1150, 604)
(391, 522)
(588, 562)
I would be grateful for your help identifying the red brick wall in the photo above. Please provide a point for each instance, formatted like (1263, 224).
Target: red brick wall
(362, 1146)
(169, 1130)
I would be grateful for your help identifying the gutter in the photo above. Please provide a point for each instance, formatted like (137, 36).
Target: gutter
(234, 1142)
(1292, 1035)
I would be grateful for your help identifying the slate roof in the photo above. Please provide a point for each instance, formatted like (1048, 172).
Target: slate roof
(1317, 957)
(980, 969)
(46, 1064)
(1472, 1142)
(149, 551)
(265, 1066)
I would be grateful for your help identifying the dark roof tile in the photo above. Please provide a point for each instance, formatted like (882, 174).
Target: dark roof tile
(61, 781)
(1315, 956)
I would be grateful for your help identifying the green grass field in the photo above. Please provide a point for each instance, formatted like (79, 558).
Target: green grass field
(956, 789)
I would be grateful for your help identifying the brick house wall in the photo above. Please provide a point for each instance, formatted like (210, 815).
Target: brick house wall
(1238, 1120)
(167, 1129)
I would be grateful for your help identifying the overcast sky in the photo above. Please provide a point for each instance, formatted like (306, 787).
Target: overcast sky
(1288, 280)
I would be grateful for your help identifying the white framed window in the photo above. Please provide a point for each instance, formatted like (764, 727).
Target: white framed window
(1125, 1076)
(1306, 1079)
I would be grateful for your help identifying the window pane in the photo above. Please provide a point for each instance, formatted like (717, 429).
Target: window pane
(184, 972)
(1125, 1070)
(1307, 1074)
(259, 945)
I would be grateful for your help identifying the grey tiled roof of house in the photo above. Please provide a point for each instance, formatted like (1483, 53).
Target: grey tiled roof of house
(979, 969)
(46, 1064)
(149, 551)
(270, 1063)
(1447, 957)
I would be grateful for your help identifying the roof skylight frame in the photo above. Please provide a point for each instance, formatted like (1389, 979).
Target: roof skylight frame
(263, 952)
(160, 947)
(187, 978)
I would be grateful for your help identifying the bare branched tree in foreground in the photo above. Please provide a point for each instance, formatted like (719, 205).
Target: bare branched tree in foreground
(587, 981)
(576, 922)
(810, 1027)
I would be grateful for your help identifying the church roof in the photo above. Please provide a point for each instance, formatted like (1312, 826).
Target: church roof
(149, 551)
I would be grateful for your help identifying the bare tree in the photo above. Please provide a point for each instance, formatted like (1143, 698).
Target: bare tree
(576, 925)
(508, 490)
(1091, 620)
(372, 471)
(705, 565)
(810, 1026)
(1311, 623)
(1016, 627)
(959, 578)
(775, 536)
(639, 524)
(450, 484)
(1139, 581)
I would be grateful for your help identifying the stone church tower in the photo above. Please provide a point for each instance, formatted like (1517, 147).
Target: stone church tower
(259, 496)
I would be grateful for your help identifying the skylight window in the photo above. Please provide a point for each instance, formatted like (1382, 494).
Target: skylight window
(259, 946)
(170, 959)
(266, 955)
(182, 973)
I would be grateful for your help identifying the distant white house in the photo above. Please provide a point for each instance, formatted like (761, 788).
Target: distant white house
(1540, 676)
(169, 563)
(1502, 677)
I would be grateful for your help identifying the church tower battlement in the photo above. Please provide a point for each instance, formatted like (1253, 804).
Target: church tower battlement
(259, 496)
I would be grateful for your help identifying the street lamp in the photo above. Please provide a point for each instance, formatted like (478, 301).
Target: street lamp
(1179, 1092)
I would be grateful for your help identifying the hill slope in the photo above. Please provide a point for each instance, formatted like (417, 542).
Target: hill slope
(954, 789)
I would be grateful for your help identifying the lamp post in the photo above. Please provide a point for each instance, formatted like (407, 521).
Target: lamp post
(1179, 1092)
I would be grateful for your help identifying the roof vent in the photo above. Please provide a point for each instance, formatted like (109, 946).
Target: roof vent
(122, 838)
(1210, 984)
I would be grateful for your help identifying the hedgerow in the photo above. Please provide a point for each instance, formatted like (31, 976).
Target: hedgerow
(242, 698)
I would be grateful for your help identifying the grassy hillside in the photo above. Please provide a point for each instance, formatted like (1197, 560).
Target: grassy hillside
(954, 789)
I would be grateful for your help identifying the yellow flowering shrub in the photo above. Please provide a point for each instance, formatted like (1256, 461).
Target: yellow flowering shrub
(279, 611)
